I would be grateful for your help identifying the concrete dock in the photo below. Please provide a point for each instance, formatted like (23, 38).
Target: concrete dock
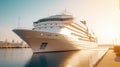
(110, 59)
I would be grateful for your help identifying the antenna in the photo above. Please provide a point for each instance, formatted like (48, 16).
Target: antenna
(18, 26)
(64, 12)
(119, 4)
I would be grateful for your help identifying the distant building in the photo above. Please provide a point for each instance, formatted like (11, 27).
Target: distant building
(1, 42)
(13, 44)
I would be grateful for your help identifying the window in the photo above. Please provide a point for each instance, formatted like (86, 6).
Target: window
(54, 19)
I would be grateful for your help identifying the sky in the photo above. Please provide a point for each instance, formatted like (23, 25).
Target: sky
(102, 16)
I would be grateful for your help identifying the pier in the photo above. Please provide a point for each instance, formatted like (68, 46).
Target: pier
(110, 59)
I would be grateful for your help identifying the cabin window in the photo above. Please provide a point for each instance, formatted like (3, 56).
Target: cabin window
(54, 19)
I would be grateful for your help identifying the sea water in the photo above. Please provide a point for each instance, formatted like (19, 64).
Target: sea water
(24, 57)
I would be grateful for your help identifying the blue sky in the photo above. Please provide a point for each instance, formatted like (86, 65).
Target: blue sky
(27, 10)
(102, 16)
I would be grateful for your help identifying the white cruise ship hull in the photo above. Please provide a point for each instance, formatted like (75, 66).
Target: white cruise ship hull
(49, 42)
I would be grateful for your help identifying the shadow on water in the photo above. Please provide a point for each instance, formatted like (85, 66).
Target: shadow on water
(47, 59)
(36, 61)
(63, 59)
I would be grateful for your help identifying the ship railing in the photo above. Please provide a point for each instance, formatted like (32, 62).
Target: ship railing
(29, 28)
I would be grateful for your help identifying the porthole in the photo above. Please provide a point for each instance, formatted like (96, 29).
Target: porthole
(41, 34)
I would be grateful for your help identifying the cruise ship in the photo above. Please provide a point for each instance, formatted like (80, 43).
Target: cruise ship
(58, 33)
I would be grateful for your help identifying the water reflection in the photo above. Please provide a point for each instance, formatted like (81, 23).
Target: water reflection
(25, 58)
(14, 57)
(83, 58)
(37, 61)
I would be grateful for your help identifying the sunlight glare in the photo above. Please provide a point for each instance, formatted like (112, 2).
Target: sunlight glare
(65, 31)
(110, 32)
